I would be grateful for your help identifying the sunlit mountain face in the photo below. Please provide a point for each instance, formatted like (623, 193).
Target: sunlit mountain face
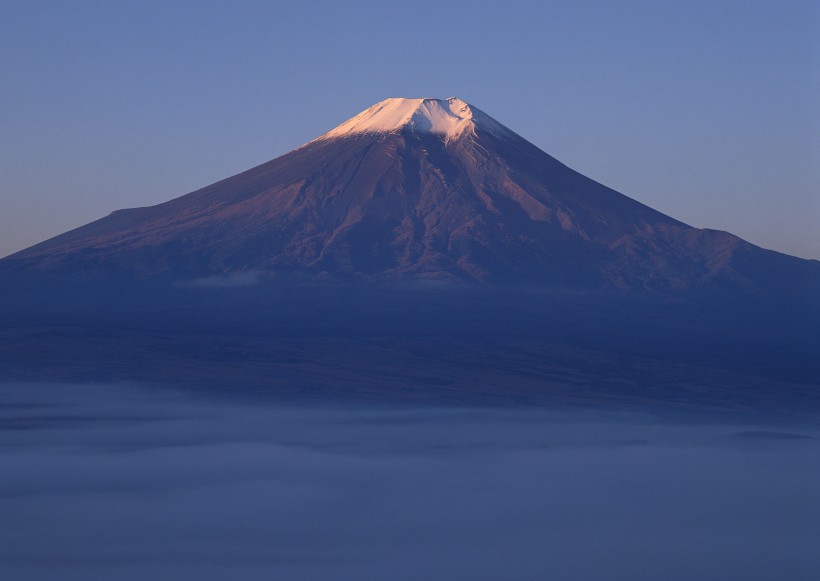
(416, 189)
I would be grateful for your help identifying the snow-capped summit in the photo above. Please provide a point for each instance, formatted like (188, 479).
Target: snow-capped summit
(450, 118)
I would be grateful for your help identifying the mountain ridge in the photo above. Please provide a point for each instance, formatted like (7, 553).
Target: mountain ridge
(415, 189)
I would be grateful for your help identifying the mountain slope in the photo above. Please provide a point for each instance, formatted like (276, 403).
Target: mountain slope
(416, 189)
(419, 189)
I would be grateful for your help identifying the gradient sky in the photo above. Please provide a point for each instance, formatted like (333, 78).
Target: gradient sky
(707, 111)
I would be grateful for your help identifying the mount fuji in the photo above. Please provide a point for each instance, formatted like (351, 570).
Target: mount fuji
(419, 251)
(416, 189)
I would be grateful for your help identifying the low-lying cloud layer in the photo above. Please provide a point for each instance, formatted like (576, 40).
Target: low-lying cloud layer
(114, 482)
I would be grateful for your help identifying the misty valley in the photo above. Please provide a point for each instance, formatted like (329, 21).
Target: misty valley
(116, 481)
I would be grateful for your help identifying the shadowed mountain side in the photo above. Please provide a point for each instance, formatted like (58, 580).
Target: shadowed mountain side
(462, 345)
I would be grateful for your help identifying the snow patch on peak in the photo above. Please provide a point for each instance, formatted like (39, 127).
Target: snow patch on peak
(447, 117)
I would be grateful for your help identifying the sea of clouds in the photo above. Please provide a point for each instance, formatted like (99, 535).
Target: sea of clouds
(116, 482)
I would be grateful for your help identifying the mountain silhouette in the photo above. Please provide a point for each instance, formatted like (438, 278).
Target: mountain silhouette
(416, 189)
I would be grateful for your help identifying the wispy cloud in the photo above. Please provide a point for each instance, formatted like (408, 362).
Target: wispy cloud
(236, 279)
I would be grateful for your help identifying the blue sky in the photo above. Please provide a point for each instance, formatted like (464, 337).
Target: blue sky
(707, 111)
